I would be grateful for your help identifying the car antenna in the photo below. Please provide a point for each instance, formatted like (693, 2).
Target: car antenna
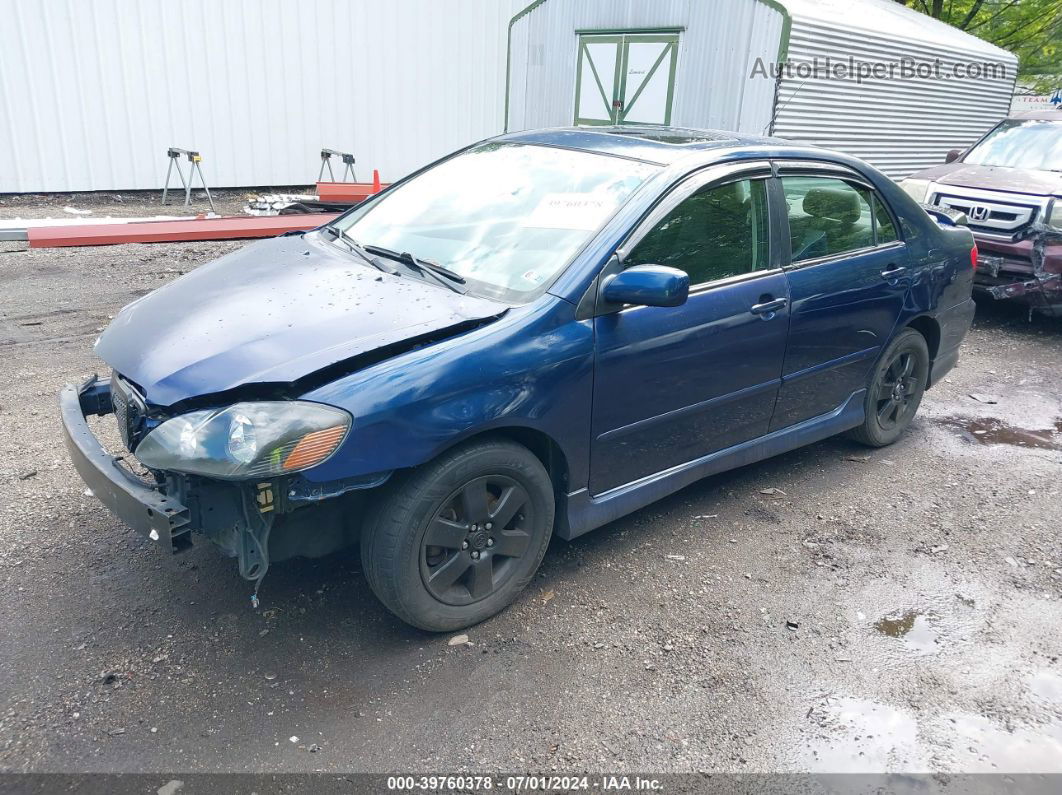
(770, 125)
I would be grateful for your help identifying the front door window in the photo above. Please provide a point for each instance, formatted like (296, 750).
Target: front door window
(718, 232)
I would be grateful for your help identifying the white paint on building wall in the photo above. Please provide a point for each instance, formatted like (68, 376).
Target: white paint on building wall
(92, 92)
(718, 44)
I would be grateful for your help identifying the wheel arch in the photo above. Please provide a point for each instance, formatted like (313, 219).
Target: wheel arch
(929, 328)
(543, 446)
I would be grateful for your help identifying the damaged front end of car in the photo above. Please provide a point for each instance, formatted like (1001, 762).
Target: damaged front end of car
(230, 474)
(1027, 269)
(208, 390)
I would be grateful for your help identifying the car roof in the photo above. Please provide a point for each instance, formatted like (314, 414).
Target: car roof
(1054, 114)
(663, 145)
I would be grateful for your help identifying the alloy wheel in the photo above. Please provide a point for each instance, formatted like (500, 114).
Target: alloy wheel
(896, 389)
(470, 547)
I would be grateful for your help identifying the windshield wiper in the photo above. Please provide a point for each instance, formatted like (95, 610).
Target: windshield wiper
(439, 273)
(358, 249)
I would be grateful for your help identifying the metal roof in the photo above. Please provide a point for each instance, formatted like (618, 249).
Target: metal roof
(890, 19)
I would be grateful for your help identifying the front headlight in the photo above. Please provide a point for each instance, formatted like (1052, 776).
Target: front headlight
(1054, 215)
(916, 189)
(246, 440)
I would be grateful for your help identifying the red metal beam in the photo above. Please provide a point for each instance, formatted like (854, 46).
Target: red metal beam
(352, 192)
(225, 228)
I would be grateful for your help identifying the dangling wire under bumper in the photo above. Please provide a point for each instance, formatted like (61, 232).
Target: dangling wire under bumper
(252, 550)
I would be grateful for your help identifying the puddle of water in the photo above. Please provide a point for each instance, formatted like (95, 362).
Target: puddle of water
(988, 430)
(862, 736)
(865, 737)
(981, 746)
(913, 627)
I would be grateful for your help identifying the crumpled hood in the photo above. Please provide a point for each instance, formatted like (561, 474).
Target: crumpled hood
(273, 311)
(1012, 180)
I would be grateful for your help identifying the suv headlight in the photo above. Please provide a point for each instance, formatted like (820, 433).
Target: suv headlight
(1054, 215)
(246, 440)
(916, 189)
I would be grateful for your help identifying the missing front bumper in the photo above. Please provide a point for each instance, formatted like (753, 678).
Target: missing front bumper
(254, 521)
(140, 505)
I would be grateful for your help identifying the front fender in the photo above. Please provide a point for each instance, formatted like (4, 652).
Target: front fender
(531, 369)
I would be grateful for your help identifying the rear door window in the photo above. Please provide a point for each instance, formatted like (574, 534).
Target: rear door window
(827, 216)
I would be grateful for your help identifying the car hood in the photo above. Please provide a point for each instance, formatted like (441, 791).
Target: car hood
(1011, 180)
(274, 312)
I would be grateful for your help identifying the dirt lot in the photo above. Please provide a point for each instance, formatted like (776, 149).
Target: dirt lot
(831, 609)
(125, 204)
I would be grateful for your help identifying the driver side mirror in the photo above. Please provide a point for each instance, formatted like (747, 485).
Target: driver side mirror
(952, 156)
(648, 285)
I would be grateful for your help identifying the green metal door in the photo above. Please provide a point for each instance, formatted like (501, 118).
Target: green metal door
(625, 78)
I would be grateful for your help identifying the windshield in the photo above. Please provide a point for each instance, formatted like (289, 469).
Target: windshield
(1015, 143)
(506, 217)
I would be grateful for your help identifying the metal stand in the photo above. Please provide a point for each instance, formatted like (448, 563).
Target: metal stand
(174, 154)
(326, 160)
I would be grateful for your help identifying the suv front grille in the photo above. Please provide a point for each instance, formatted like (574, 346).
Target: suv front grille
(990, 212)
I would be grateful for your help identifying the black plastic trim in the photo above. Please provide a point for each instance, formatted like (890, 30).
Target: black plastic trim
(143, 508)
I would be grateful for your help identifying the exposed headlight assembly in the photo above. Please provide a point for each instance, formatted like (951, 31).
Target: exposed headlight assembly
(246, 440)
(1054, 215)
(916, 189)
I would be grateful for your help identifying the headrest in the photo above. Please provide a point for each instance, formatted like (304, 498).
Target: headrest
(835, 204)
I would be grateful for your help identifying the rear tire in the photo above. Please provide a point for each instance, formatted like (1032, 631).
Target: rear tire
(897, 384)
(455, 541)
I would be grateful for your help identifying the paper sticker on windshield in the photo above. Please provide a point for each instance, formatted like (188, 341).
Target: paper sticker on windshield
(586, 211)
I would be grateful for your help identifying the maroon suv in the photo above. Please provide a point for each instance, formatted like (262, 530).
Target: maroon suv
(1009, 185)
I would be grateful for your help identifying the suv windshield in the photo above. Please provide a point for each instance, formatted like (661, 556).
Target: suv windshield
(1021, 143)
(506, 217)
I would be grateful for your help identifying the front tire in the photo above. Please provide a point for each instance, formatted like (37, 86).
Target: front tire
(895, 391)
(455, 541)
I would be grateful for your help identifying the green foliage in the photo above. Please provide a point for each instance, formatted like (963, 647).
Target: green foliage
(1031, 29)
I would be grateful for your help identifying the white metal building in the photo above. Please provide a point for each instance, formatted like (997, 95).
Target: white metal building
(92, 92)
(595, 62)
(904, 125)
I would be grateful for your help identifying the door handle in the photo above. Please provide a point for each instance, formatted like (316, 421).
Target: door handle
(768, 308)
(893, 273)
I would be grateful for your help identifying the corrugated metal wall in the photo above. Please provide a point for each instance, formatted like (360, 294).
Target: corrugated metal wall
(92, 92)
(717, 49)
(900, 126)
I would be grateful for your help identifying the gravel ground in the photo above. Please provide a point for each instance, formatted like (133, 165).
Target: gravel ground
(831, 609)
(140, 203)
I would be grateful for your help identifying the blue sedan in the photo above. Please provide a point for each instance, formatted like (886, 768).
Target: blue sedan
(531, 337)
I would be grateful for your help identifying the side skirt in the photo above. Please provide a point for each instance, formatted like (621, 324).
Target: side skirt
(586, 512)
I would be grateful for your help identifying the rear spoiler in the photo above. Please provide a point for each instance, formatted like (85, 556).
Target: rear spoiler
(945, 215)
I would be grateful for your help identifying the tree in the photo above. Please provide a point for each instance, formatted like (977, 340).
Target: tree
(1031, 29)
